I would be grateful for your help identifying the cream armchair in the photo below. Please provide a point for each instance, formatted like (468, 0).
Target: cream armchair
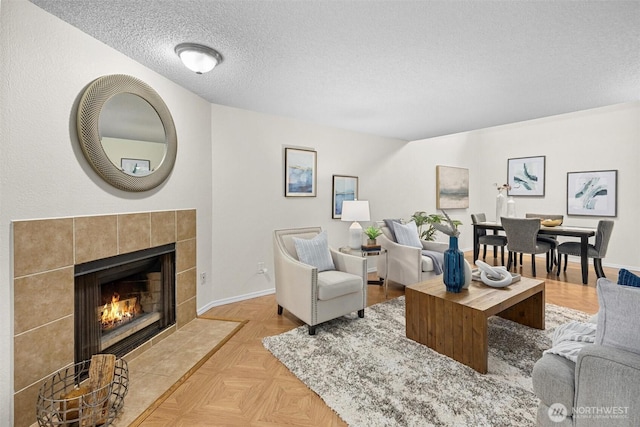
(405, 265)
(316, 297)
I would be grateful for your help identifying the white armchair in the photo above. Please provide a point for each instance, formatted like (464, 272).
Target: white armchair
(405, 265)
(316, 297)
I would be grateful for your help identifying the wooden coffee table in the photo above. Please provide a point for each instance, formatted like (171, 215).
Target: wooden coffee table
(456, 324)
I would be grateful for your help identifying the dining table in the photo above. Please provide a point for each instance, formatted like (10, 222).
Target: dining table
(584, 233)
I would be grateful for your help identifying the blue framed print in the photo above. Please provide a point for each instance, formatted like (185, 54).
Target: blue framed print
(300, 172)
(344, 188)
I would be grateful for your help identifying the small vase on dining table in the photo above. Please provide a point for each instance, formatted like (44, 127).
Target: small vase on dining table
(453, 271)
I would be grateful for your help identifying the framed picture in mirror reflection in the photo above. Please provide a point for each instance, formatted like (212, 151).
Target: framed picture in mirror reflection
(135, 167)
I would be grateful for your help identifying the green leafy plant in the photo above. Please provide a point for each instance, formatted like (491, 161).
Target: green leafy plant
(372, 232)
(425, 223)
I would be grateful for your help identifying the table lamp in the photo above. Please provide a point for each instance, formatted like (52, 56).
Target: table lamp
(355, 210)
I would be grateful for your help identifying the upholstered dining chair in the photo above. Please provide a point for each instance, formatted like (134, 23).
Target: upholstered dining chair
(315, 282)
(596, 251)
(552, 240)
(522, 237)
(485, 239)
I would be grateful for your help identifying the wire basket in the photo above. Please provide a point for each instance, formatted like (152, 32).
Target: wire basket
(64, 399)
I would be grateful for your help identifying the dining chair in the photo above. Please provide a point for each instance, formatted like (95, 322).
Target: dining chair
(485, 239)
(552, 240)
(596, 251)
(522, 237)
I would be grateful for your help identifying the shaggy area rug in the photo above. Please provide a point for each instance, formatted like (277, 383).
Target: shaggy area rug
(372, 375)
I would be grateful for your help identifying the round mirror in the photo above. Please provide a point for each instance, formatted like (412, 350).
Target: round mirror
(132, 134)
(126, 133)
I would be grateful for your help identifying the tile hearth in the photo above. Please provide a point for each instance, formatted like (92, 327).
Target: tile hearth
(155, 371)
(158, 369)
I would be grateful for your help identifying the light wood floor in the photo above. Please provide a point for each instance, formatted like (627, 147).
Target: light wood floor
(244, 385)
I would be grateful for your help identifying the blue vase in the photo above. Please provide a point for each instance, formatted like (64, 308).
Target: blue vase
(453, 274)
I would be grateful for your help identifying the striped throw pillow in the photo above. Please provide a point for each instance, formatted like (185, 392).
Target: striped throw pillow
(315, 252)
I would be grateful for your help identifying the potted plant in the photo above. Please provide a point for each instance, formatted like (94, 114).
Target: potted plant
(372, 233)
(426, 221)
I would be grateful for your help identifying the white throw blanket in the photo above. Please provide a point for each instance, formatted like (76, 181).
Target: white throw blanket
(570, 338)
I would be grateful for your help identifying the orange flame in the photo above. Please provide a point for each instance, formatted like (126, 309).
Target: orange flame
(117, 311)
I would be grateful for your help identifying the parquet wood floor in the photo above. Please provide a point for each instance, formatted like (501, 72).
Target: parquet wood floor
(244, 385)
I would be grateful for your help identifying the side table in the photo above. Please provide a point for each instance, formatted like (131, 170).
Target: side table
(365, 253)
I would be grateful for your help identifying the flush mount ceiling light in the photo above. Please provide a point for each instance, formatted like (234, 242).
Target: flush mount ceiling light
(197, 57)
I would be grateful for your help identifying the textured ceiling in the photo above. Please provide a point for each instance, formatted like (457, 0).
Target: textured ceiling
(402, 69)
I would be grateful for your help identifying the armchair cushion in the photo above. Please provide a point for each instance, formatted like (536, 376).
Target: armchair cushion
(427, 263)
(618, 322)
(315, 251)
(407, 234)
(334, 284)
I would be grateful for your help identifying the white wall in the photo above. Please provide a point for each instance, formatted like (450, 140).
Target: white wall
(248, 188)
(230, 164)
(599, 139)
(398, 179)
(45, 64)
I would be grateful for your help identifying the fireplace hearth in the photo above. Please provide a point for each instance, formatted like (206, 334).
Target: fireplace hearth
(123, 301)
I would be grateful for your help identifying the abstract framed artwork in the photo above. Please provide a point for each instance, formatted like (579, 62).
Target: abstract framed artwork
(592, 193)
(525, 176)
(300, 172)
(452, 187)
(344, 188)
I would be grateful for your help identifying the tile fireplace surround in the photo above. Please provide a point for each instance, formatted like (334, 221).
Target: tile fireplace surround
(44, 254)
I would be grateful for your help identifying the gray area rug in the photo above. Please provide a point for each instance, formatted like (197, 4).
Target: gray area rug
(372, 375)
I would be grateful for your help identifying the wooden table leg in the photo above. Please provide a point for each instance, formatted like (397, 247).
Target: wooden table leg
(529, 312)
(480, 344)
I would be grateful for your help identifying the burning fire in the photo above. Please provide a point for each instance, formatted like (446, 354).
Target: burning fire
(117, 311)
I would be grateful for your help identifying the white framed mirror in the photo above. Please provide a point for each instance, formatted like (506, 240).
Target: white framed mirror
(126, 132)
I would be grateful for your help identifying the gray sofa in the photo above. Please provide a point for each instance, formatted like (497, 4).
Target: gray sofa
(602, 388)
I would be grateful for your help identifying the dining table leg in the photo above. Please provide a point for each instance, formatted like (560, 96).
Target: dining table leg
(476, 245)
(584, 260)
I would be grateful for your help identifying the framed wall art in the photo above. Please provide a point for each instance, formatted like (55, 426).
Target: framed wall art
(300, 172)
(452, 187)
(592, 193)
(135, 166)
(344, 188)
(525, 176)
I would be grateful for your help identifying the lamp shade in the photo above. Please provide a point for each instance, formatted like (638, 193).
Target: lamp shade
(198, 58)
(355, 210)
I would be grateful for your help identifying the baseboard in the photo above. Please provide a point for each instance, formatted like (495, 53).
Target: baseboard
(244, 297)
(238, 298)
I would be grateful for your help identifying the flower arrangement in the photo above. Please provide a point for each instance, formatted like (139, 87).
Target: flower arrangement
(451, 229)
(503, 187)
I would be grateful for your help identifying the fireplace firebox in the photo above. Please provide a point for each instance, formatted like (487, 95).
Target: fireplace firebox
(123, 301)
